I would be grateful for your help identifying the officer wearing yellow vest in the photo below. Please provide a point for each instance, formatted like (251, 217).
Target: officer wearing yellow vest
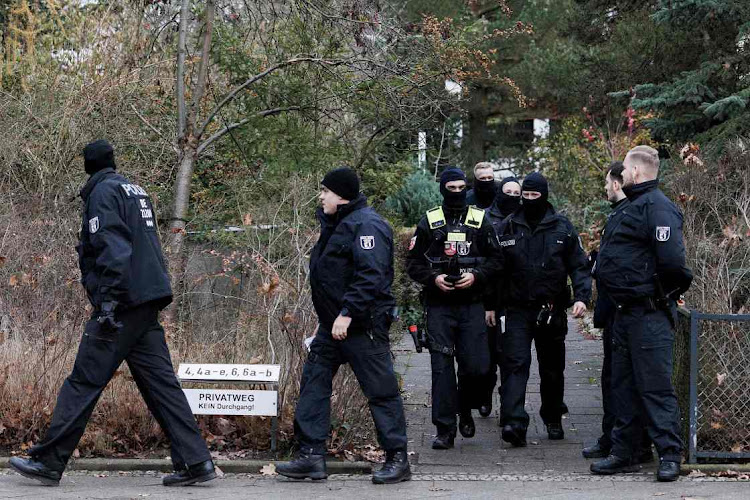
(454, 254)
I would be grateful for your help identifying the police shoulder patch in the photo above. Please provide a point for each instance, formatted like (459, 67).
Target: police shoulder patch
(412, 242)
(94, 224)
(663, 233)
(367, 242)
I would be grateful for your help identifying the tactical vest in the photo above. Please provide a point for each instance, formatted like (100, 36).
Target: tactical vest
(453, 247)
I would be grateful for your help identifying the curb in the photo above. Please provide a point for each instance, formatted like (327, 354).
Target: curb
(714, 468)
(165, 465)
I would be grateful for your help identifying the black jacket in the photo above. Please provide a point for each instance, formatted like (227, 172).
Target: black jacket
(351, 265)
(647, 240)
(119, 251)
(428, 257)
(604, 310)
(538, 262)
(472, 199)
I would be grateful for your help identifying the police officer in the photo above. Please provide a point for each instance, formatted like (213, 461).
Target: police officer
(506, 202)
(123, 273)
(482, 195)
(604, 314)
(541, 249)
(351, 271)
(642, 268)
(453, 254)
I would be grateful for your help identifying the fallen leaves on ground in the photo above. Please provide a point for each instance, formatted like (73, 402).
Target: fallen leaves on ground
(268, 470)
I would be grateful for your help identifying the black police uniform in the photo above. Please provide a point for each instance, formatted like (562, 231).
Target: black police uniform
(479, 201)
(351, 271)
(604, 316)
(645, 243)
(538, 262)
(454, 242)
(121, 267)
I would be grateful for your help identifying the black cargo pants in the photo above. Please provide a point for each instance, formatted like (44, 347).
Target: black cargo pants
(456, 330)
(368, 353)
(642, 392)
(520, 330)
(141, 343)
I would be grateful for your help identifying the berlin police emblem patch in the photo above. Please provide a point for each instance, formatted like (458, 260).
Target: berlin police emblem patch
(662, 233)
(367, 242)
(94, 225)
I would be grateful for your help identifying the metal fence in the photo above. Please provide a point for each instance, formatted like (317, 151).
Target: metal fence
(719, 409)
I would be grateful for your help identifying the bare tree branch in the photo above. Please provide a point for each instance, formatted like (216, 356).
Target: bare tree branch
(180, 83)
(154, 129)
(232, 126)
(200, 86)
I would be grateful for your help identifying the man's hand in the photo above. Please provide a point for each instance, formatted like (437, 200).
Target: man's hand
(579, 308)
(489, 318)
(443, 285)
(467, 279)
(340, 326)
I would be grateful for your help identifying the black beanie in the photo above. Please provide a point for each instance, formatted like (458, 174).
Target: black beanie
(536, 182)
(343, 181)
(98, 155)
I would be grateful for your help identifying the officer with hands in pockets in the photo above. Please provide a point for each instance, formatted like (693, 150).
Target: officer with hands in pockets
(351, 272)
(124, 275)
(454, 255)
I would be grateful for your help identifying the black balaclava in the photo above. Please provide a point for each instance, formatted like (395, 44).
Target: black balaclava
(98, 155)
(534, 210)
(506, 203)
(451, 200)
(484, 191)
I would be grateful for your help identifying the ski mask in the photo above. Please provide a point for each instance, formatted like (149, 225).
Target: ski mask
(535, 209)
(451, 200)
(506, 203)
(484, 191)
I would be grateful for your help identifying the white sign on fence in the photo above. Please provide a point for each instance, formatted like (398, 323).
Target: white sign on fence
(218, 372)
(232, 402)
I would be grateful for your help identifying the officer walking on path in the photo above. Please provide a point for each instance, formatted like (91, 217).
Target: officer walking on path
(351, 271)
(506, 202)
(541, 249)
(642, 268)
(604, 315)
(123, 273)
(454, 255)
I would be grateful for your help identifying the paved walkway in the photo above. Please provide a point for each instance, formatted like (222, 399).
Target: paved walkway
(486, 453)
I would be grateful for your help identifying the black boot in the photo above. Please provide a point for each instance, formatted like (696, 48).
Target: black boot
(305, 465)
(443, 441)
(28, 467)
(595, 451)
(198, 473)
(613, 465)
(514, 435)
(555, 431)
(466, 425)
(485, 410)
(395, 469)
(668, 471)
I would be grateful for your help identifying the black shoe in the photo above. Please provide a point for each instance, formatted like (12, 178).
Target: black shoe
(395, 469)
(595, 451)
(466, 425)
(555, 432)
(443, 442)
(28, 467)
(514, 435)
(485, 410)
(198, 473)
(644, 456)
(668, 471)
(613, 465)
(304, 466)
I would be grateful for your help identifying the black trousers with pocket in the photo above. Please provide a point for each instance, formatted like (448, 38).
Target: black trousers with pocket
(141, 343)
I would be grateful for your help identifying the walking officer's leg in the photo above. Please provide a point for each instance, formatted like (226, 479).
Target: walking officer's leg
(550, 349)
(441, 325)
(151, 365)
(473, 358)
(516, 360)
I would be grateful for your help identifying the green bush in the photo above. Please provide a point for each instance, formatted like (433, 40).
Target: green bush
(418, 194)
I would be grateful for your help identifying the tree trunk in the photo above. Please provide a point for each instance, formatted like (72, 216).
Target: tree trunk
(475, 144)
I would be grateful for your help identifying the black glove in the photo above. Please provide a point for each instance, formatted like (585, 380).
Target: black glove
(106, 319)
